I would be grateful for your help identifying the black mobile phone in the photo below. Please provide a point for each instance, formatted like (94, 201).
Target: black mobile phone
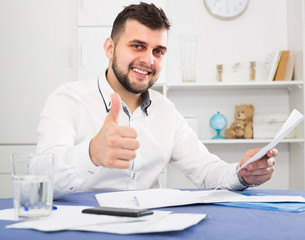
(127, 212)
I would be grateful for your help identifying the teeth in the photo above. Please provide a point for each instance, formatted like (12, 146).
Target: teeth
(140, 71)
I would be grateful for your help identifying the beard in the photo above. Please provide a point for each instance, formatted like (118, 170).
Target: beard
(125, 81)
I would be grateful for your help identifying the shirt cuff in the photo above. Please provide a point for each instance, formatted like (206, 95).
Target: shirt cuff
(232, 180)
(83, 164)
(242, 181)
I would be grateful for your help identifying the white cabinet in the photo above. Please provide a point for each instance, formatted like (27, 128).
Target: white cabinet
(38, 53)
(37, 41)
(92, 60)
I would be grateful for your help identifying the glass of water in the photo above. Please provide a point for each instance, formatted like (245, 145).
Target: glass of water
(32, 176)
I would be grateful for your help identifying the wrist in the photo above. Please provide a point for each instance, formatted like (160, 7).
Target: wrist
(243, 181)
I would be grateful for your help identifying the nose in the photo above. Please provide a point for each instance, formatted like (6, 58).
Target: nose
(147, 57)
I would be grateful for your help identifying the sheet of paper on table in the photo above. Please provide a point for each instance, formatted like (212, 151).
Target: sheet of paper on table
(72, 218)
(158, 198)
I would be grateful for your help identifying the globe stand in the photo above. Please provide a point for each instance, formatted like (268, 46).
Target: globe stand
(218, 135)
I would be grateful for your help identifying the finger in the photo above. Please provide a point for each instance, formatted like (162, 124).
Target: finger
(258, 172)
(272, 152)
(124, 143)
(116, 104)
(127, 132)
(126, 154)
(263, 163)
(257, 176)
(119, 164)
(130, 144)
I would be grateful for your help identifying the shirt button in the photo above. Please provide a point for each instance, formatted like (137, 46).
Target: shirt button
(133, 176)
(71, 188)
(91, 172)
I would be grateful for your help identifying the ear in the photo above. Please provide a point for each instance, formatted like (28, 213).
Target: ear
(109, 48)
(251, 107)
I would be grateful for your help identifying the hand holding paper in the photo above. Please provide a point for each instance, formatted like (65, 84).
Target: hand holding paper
(292, 121)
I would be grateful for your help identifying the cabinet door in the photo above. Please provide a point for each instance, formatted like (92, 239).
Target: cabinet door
(37, 39)
(103, 12)
(92, 58)
(6, 189)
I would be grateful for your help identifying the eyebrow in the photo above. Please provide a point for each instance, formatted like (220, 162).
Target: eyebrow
(144, 43)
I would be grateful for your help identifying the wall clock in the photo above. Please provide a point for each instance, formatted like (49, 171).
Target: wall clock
(226, 9)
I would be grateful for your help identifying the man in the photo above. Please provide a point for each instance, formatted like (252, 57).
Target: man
(113, 132)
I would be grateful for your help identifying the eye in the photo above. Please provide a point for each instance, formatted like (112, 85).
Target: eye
(159, 52)
(137, 46)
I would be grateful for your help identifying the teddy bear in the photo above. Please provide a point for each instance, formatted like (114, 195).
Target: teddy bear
(244, 129)
(237, 129)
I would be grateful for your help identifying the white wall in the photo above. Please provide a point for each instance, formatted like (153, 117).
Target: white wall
(260, 30)
(251, 37)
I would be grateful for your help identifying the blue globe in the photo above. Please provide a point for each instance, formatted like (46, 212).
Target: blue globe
(218, 122)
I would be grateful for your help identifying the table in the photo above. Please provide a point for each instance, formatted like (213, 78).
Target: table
(221, 223)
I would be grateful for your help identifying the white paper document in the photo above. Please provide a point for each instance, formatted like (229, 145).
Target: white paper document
(72, 218)
(170, 222)
(8, 214)
(158, 198)
(292, 121)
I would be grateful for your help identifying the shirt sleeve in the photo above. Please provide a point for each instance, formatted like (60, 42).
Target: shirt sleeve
(57, 133)
(203, 168)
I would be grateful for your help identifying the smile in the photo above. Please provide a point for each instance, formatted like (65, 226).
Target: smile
(140, 71)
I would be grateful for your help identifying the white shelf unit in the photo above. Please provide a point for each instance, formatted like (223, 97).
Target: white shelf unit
(229, 149)
(290, 85)
(250, 141)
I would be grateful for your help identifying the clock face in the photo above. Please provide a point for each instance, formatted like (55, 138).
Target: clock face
(226, 9)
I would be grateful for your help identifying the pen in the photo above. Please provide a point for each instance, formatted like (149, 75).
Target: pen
(136, 201)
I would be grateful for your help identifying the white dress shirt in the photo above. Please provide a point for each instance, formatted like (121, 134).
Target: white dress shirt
(75, 112)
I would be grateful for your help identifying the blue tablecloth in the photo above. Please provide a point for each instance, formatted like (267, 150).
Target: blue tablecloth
(222, 222)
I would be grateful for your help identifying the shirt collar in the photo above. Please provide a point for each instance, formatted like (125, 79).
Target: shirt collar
(146, 102)
(106, 91)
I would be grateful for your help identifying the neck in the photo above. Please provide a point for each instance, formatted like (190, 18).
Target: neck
(132, 100)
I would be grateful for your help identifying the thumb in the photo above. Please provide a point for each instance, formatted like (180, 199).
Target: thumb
(115, 107)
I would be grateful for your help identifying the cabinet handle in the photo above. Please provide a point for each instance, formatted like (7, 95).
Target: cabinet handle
(82, 56)
(72, 57)
(82, 4)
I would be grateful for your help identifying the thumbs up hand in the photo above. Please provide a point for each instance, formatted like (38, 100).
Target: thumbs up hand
(114, 146)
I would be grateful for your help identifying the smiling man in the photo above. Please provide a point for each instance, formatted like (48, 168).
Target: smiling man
(114, 132)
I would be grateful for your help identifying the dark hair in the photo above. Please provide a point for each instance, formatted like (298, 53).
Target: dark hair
(147, 14)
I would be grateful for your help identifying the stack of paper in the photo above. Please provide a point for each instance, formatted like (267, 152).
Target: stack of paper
(72, 218)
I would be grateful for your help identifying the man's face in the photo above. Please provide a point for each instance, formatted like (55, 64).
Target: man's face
(138, 56)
